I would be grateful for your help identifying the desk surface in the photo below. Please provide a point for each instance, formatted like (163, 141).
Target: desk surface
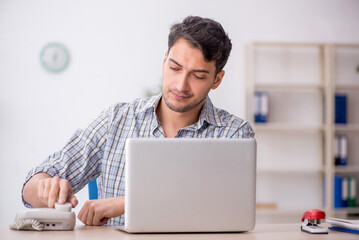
(262, 231)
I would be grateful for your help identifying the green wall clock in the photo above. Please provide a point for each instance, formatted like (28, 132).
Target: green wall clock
(54, 57)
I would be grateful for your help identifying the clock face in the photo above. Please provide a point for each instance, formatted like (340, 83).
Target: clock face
(54, 57)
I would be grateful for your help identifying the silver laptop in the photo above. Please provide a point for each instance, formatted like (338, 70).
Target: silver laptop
(190, 185)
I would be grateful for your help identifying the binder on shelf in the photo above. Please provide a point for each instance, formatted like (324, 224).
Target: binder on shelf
(337, 192)
(261, 107)
(352, 192)
(341, 150)
(340, 108)
(336, 151)
(345, 192)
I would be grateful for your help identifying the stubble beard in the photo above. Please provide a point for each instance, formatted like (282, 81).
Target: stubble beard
(181, 109)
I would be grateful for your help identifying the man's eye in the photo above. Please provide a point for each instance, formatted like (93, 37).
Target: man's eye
(174, 69)
(198, 77)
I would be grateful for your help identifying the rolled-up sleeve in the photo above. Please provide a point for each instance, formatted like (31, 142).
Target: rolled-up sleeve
(79, 161)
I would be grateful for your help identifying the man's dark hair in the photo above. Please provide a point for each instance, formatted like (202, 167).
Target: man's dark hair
(205, 34)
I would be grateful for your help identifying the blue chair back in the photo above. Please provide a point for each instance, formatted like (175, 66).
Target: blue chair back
(93, 191)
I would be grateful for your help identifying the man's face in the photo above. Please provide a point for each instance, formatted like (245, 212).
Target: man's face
(187, 77)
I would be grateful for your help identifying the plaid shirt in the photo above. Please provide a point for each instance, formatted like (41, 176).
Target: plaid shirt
(98, 150)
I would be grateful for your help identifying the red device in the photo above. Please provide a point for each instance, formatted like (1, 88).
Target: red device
(313, 214)
(311, 219)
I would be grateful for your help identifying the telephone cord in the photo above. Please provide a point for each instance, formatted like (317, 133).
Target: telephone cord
(35, 224)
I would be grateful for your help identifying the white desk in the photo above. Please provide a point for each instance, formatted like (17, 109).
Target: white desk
(262, 231)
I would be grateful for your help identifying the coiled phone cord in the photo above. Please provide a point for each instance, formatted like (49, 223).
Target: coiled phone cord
(35, 224)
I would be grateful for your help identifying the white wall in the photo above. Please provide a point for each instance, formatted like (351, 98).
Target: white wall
(116, 52)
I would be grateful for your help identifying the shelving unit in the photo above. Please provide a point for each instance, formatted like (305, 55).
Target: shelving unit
(345, 78)
(295, 147)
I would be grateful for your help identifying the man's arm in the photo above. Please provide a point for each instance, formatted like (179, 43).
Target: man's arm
(77, 163)
(42, 190)
(244, 131)
(97, 212)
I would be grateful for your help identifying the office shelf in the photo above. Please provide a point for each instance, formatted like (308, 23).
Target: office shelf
(286, 127)
(297, 142)
(347, 210)
(280, 85)
(346, 169)
(349, 87)
(290, 170)
(347, 213)
(344, 74)
(347, 127)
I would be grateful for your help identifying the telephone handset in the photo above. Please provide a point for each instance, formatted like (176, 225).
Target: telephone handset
(59, 218)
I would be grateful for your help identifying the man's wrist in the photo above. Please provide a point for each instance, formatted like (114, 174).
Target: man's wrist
(119, 202)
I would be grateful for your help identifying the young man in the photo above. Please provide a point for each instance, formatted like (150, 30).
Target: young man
(198, 49)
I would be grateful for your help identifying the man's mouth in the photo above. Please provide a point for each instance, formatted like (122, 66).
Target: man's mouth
(179, 96)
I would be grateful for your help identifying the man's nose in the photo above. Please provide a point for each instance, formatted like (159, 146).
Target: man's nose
(182, 82)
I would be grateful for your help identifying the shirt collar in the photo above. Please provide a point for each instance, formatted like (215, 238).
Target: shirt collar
(151, 105)
(152, 102)
(209, 114)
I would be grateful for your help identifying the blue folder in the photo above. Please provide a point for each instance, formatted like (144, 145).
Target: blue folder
(342, 229)
(338, 192)
(340, 108)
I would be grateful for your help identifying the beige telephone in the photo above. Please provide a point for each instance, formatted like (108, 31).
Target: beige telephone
(59, 218)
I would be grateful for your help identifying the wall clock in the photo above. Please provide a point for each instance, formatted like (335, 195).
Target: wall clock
(54, 57)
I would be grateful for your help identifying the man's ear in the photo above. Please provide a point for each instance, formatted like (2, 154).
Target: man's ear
(164, 60)
(218, 79)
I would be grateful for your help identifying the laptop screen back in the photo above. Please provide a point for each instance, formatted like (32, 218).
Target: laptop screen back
(190, 185)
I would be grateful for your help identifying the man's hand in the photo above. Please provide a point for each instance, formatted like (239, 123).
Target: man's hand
(42, 190)
(55, 189)
(97, 212)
